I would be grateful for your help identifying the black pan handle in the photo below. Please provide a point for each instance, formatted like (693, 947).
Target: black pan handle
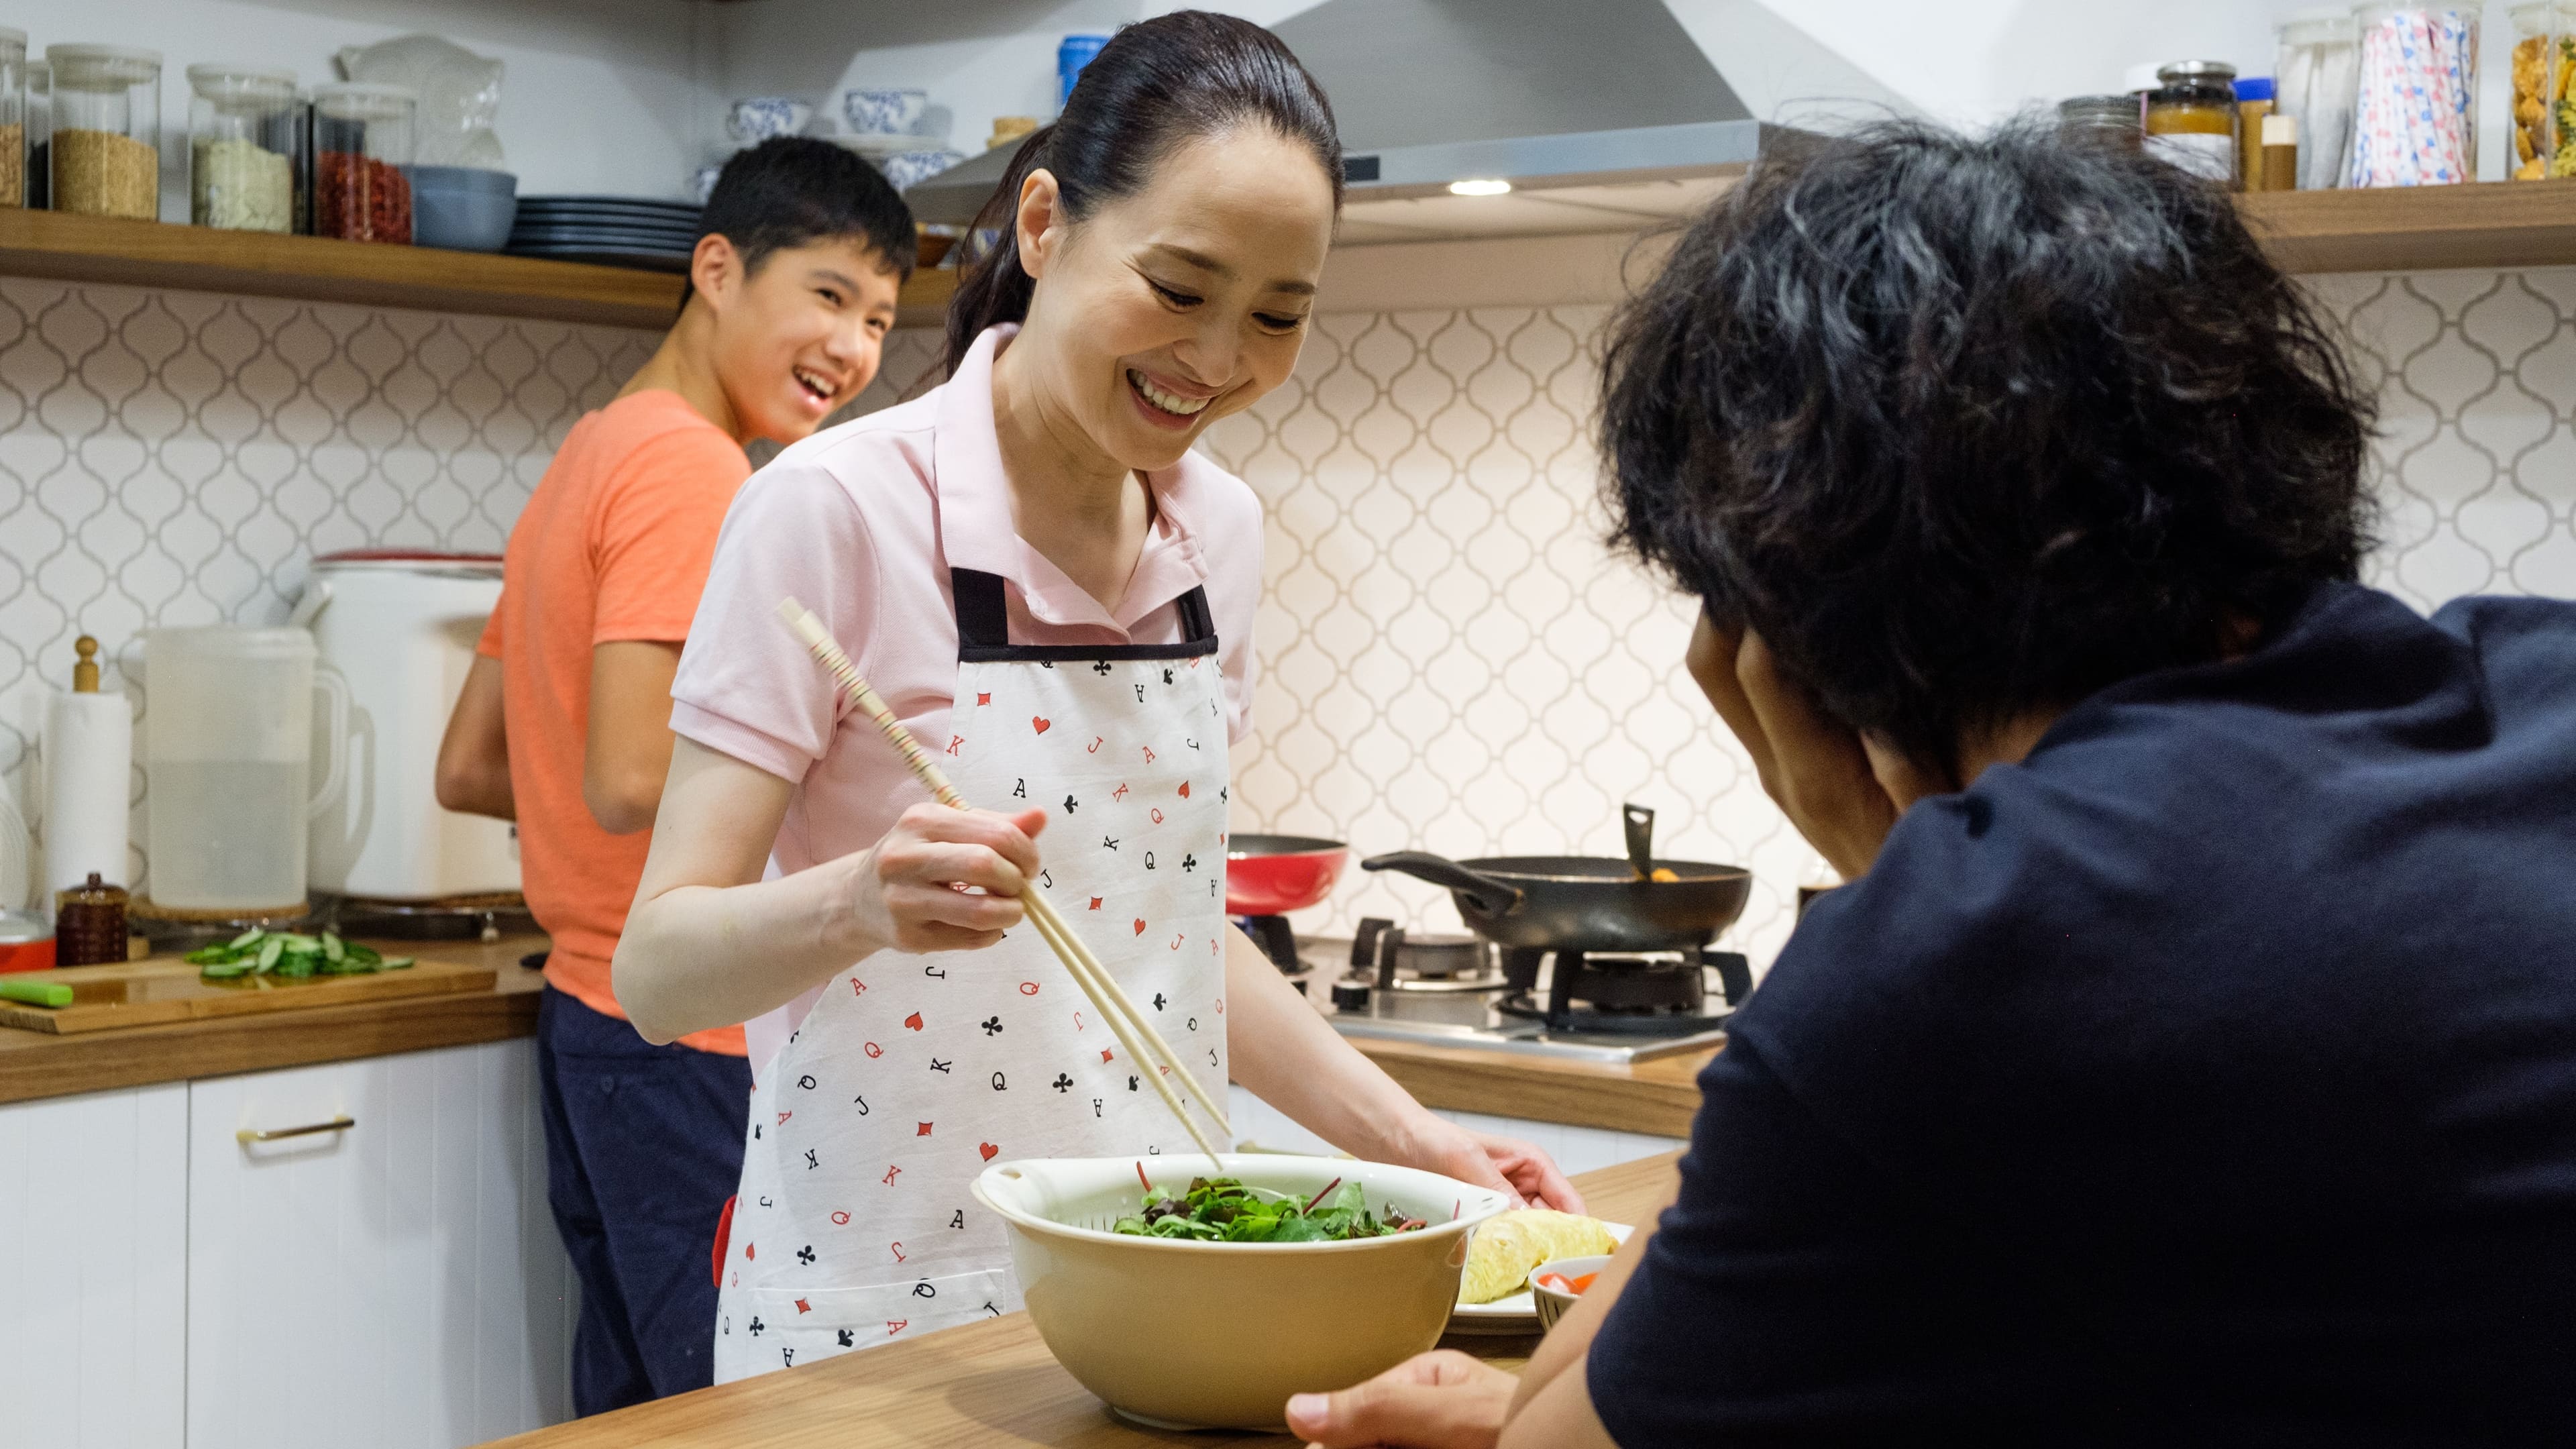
(1640, 824)
(1487, 894)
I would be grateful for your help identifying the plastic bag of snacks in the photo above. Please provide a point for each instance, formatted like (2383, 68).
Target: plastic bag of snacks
(2415, 107)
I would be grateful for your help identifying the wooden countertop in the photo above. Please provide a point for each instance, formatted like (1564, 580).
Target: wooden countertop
(1656, 1097)
(985, 1383)
(38, 1064)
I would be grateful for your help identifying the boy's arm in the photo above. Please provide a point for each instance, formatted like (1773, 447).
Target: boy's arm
(627, 753)
(474, 755)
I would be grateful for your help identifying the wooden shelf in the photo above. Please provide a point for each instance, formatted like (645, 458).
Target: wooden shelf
(320, 269)
(2419, 228)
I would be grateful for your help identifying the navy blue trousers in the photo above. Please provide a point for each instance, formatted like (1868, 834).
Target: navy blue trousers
(643, 1147)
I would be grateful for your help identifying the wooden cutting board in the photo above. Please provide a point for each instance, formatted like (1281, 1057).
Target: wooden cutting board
(145, 993)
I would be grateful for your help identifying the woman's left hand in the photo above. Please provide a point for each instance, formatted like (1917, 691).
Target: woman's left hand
(1435, 1144)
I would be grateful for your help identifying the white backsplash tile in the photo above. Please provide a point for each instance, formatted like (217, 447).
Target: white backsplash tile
(1452, 660)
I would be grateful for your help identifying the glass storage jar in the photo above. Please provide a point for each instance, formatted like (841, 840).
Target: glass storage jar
(245, 156)
(2192, 118)
(2110, 119)
(106, 144)
(362, 140)
(13, 117)
(2544, 126)
(2313, 74)
(2414, 110)
(40, 135)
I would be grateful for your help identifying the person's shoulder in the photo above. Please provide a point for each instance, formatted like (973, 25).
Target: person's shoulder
(1220, 510)
(851, 474)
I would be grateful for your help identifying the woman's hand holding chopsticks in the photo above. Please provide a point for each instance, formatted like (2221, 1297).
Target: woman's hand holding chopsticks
(927, 871)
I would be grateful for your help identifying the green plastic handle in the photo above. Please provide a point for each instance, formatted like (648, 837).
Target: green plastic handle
(35, 993)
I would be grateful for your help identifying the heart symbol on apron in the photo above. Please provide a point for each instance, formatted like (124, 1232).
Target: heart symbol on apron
(1042, 723)
(913, 1021)
(1140, 925)
(988, 1149)
(1185, 789)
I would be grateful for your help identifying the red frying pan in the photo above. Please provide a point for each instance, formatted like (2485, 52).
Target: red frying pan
(1271, 875)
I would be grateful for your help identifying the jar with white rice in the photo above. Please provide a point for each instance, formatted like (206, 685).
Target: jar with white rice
(245, 148)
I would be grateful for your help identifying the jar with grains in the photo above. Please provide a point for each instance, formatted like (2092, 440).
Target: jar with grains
(2414, 108)
(362, 140)
(13, 117)
(245, 148)
(2192, 118)
(2113, 120)
(2313, 73)
(2544, 123)
(40, 136)
(106, 144)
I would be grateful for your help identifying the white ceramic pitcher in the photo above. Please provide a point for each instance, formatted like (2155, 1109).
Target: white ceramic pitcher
(227, 757)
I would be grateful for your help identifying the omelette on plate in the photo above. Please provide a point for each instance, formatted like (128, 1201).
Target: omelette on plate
(1510, 1244)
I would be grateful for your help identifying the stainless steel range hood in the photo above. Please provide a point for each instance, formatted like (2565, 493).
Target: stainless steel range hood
(1601, 114)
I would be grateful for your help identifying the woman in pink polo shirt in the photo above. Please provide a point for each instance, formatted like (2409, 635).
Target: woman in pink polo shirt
(1056, 594)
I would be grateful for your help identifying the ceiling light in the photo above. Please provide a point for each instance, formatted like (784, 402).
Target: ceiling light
(1484, 187)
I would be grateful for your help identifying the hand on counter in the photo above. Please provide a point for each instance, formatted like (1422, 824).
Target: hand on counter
(1436, 1144)
(1439, 1400)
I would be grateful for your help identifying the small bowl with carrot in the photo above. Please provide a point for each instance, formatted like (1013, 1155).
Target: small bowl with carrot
(1554, 1286)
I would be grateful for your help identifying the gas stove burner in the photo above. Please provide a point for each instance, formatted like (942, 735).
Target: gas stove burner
(1623, 995)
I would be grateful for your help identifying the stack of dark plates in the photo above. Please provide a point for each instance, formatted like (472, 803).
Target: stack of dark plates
(620, 231)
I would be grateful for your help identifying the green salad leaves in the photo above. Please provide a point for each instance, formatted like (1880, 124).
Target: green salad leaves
(289, 954)
(1223, 1210)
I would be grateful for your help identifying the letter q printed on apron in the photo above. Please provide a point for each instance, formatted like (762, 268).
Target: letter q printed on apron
(854, 1226)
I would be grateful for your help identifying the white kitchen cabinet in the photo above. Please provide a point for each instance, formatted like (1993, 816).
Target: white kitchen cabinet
(397, 1283)
(94, 1284)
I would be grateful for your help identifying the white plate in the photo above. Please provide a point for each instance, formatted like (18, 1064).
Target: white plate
(1516, 1314)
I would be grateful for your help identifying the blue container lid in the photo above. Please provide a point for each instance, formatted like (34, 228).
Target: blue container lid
(2254, 88)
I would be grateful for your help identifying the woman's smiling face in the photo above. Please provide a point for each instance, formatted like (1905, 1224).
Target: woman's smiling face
(1180, 303)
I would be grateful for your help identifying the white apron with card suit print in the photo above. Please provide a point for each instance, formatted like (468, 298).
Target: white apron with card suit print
(854, 1226)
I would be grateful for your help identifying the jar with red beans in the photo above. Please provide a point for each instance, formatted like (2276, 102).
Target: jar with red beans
(362, 140)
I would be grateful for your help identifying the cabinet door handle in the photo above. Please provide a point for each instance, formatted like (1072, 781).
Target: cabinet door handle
(249, 1135)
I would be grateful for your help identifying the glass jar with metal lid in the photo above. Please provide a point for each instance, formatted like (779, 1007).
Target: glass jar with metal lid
(13, 117)
(2192, 118)
(107, 130)
(362, 140)
(245, 148)
(2113, 120)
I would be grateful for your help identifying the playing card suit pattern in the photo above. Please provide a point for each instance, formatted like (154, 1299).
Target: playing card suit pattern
(1148, 837)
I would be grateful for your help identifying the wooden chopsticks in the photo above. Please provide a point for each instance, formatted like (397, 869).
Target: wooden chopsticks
(1144, 1045)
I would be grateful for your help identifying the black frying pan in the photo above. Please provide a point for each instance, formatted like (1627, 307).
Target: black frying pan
(1546, 901)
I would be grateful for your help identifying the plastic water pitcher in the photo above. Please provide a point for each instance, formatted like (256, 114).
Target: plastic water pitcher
(227, 765)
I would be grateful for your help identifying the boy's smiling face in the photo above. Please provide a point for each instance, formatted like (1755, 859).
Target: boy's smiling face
(799, 336)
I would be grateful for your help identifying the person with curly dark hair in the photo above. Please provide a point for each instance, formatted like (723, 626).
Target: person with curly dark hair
(2192, 1055)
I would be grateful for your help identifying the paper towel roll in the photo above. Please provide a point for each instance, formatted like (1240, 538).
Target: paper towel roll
(89, 760)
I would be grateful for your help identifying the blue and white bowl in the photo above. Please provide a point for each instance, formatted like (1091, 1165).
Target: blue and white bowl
(884, 110)
(907, 169)
(755, 119)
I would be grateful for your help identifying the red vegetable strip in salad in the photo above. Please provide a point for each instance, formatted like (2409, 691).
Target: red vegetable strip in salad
(1319, 1197)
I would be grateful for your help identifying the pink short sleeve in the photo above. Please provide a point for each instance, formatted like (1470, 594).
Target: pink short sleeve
(746, 686)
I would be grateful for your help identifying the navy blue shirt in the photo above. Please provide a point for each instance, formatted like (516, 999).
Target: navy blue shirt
(2208, 1077)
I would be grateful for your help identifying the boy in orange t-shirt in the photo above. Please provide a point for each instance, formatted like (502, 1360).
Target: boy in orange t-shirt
(564, 722)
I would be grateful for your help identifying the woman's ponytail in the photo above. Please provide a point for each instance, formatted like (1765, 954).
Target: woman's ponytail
(1157, 84)
(996, 288)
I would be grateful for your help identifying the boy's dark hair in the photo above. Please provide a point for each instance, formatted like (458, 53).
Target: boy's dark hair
(789, 191)
(1964, 427)
(1156, 84)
